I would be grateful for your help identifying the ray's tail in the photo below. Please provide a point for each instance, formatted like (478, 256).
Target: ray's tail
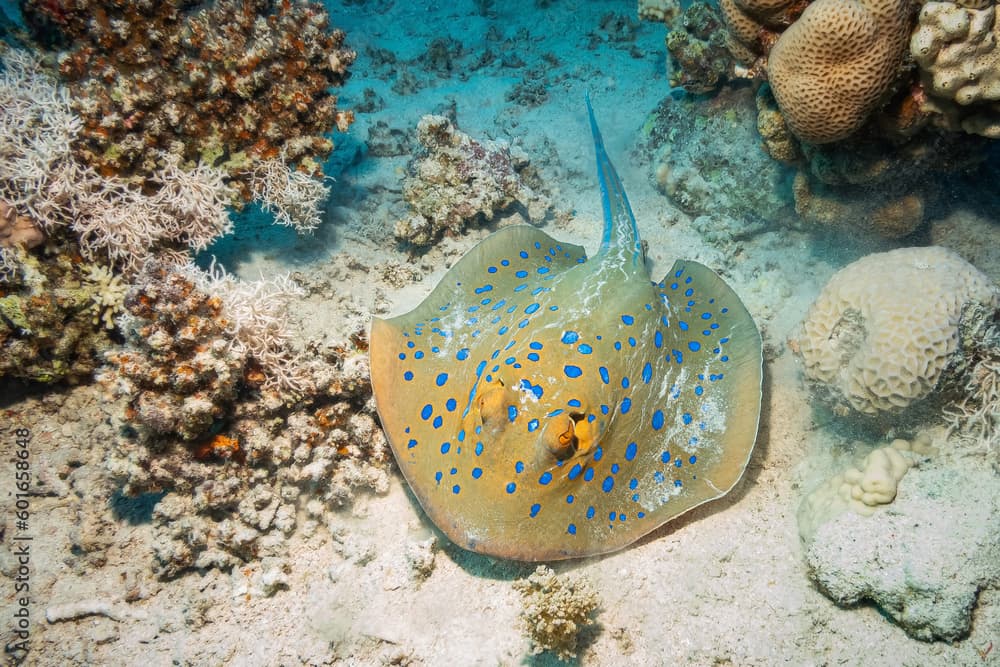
(620, 231)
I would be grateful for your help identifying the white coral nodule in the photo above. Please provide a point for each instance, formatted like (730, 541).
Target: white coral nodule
(107, 294)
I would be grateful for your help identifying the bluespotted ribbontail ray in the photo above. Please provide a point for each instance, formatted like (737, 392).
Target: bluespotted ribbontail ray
(544, 406)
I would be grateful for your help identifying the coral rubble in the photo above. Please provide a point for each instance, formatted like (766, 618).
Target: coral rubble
(557, 609)
(460, 182)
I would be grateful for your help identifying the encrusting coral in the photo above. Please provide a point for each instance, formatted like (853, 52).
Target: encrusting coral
(700, 58)
(557, 609)
(460, 182)
(54, 315)
(884, 330)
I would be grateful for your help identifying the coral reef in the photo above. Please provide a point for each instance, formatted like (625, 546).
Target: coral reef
(239, 489)
(864, 488)
(831, 68)
(191, 340)
(885, 329)
(557, 609)
(178, 367)
(754, 25)
(885, 178)
(42, 180)
(976, 417)
(54, 315)
(924, 562)
(460, 182)
(876, 137)
(228, 84)
(662, 11)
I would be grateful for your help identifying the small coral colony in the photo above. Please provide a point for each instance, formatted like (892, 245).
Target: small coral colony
(131, 131)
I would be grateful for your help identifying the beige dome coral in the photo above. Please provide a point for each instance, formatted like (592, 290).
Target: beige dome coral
(830, 69)
(884, 328)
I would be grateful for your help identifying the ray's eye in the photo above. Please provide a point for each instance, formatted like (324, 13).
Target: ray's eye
(566, 435)
(585, 432)
(494, 401)
(559, 436)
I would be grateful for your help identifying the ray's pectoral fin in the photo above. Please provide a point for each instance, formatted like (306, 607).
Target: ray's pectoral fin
(734, 359)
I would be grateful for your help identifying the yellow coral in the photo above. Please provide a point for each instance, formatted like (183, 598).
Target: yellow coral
(830, 69)
(864, 488)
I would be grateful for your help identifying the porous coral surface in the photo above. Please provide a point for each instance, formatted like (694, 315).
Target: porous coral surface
(884, 329)
(832, 66)
(959, 56)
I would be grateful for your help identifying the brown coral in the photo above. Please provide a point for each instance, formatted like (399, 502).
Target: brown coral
(179, 372)
(230, 84)
(833, 66)
(18, 230)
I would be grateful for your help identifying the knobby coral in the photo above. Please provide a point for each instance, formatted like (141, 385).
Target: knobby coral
(192, 340)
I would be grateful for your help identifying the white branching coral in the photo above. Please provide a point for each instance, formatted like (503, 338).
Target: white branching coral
(36, 129)
(116, 220)
(9, 264)
(293, 197)
(256, 312)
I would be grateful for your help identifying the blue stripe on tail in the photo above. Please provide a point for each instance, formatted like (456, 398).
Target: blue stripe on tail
(620, 230)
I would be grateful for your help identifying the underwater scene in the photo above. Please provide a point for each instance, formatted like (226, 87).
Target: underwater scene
(532, 332)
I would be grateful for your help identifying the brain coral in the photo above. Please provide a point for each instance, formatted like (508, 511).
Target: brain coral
(830, 69)
(884, 328)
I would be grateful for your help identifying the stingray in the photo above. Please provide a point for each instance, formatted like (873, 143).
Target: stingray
(543, 405)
